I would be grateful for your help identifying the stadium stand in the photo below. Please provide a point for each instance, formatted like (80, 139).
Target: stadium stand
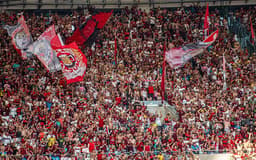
(43, 117)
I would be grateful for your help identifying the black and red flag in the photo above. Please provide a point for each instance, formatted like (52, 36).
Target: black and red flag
(88, 30)
(102, 18)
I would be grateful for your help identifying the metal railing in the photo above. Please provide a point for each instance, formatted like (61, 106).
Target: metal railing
(118, 3)
(109, 155)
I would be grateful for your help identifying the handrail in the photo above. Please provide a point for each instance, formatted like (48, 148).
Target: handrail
(87, 154)
(124, 3)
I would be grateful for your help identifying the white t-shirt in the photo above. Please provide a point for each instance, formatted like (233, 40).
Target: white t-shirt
(13, 112)
(77, 150)
(144, 93)
(6, 139)
(158, 121)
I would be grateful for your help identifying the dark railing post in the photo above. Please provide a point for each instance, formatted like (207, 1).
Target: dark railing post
(56, 3)
(104, 3)
(119, 3)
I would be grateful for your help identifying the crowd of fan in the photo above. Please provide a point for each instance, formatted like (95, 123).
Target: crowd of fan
(43, 118)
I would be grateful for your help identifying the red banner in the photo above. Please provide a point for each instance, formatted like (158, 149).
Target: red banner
(73, 62)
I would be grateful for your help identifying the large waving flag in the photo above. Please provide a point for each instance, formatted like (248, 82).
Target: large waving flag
(21, 37)
(42, 48)
(50, 35)
(88, 30)
(73, 62)
(177, 57)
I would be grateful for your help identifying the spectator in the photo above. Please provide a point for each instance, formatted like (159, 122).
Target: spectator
(40, 115)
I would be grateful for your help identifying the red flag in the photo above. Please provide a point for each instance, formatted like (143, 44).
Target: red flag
(253, 36)
(55, 42)
(211, 38)
(206, 21)
(102, 18)
(73, 62)
(163, 75)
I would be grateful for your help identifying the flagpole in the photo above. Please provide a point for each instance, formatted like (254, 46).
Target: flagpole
(163, 75)
(115, 50)
(252, 32)
(205, 33)
(61, 41)
(206, 21)
(224, 73)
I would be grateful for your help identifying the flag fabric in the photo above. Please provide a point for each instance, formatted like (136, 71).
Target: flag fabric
(210, 39)
(76, 37)
(51, 36)
(252, 32)
(44, 52)
(56, 42)
(177, 57)
(48, 34)
(206, 21)
(102, 18)
(21, 37)
(89, 29)
(82, 34)
(42, 48)
(92, 39)
(163, 74)
(73, 62)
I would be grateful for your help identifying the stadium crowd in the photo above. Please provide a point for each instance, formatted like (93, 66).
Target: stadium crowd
(43, 118)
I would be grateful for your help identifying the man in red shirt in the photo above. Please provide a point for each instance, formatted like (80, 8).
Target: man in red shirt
(151, 91)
